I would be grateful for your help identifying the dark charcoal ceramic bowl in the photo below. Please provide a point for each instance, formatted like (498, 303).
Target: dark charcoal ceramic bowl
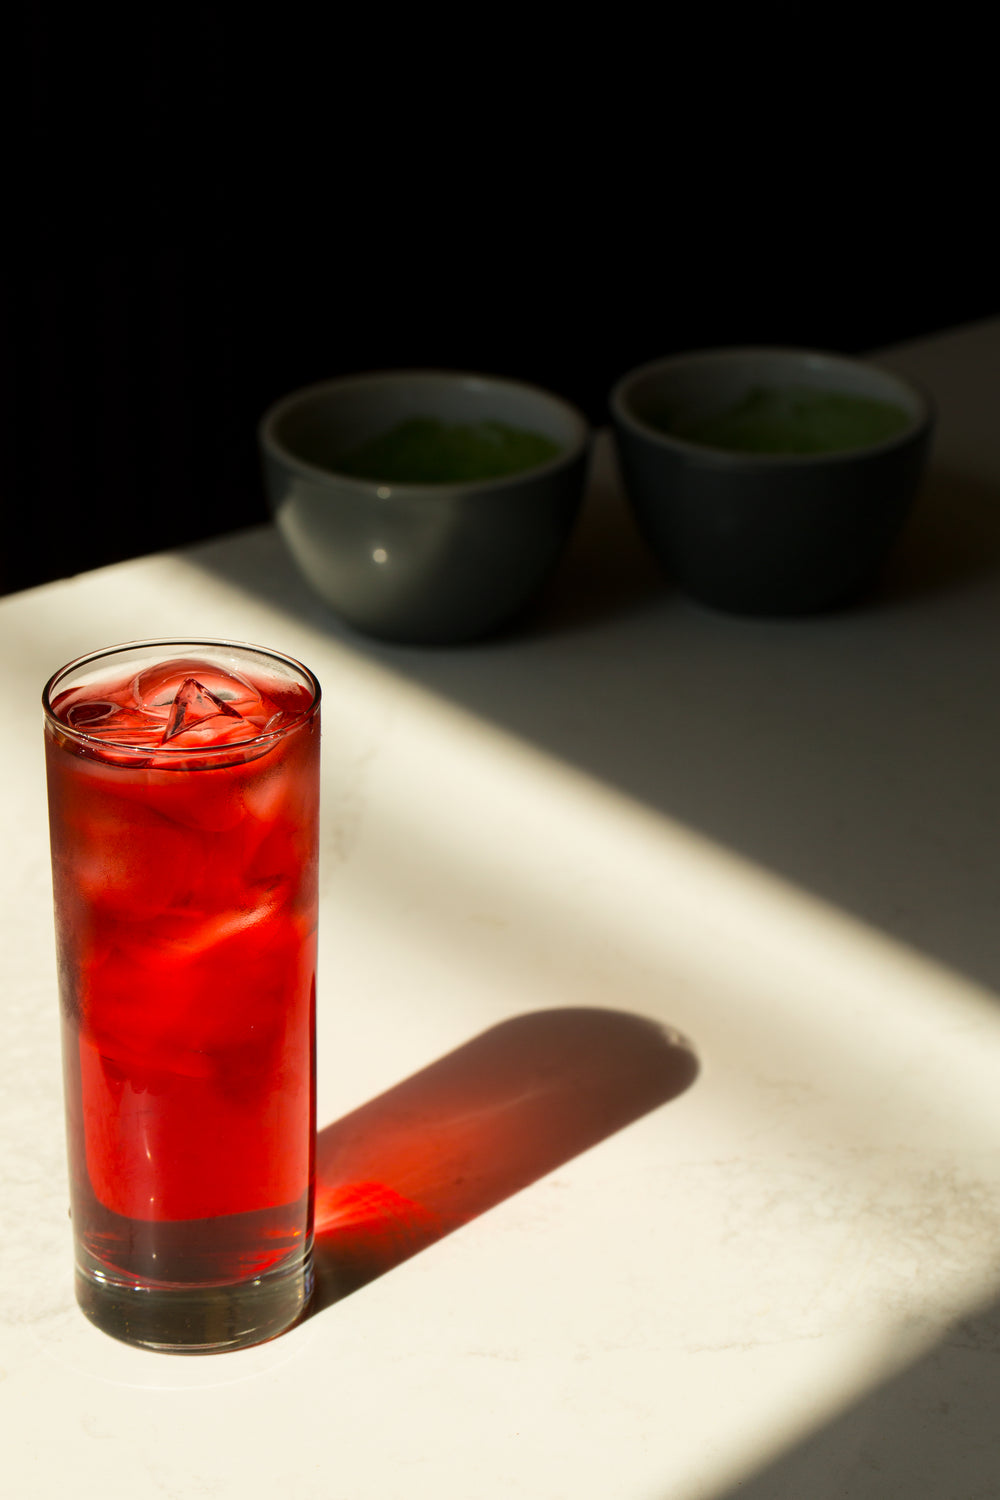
(765, 533)
(421, 563)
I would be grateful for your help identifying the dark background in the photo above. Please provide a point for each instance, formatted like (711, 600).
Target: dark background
(204, 211)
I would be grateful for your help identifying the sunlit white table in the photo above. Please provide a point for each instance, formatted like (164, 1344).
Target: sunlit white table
(659, 1030)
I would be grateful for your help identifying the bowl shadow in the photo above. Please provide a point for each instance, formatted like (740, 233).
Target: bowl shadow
(952, 539)
(477, 1126)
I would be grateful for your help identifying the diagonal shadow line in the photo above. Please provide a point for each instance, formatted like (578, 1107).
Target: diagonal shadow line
(476, 1126)
(929, 1432)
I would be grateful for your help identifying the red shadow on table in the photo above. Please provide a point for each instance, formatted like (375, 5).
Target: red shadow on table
(478, 1125)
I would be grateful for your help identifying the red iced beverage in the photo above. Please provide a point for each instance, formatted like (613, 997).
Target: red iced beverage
(183, 801)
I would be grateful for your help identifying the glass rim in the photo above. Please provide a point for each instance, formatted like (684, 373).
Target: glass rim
(259, 741)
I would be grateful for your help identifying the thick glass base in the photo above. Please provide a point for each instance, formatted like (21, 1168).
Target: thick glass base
(194, 1320)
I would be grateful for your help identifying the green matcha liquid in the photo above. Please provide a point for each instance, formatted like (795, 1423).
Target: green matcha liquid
(422, 450)
(793, 421)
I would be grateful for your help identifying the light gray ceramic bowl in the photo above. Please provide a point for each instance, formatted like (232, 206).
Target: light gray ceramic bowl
(414, 562)
(765, 532)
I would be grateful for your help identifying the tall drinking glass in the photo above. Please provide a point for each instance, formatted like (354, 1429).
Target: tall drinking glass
(183, 781)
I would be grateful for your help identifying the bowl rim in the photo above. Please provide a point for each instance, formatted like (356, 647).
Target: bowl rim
(917, 425)
(273, 414)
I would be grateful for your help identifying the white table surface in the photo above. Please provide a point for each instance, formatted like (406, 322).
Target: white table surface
(651, 834)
